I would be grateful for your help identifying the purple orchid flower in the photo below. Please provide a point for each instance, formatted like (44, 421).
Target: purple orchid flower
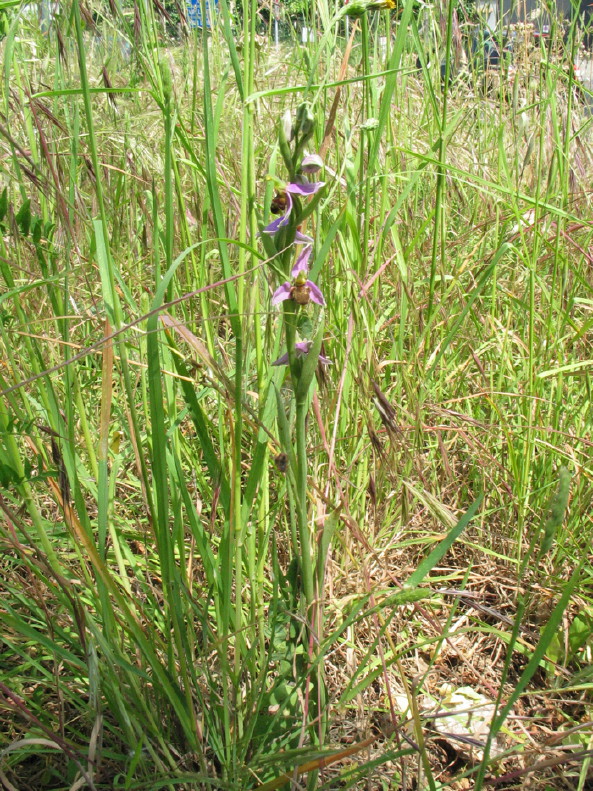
(301, 350)
(302, 291)
(304, 191)
(302, 262)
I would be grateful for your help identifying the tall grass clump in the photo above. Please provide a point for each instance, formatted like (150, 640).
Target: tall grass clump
(295, 422)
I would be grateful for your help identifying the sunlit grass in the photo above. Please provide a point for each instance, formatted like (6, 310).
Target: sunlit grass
(152, 622)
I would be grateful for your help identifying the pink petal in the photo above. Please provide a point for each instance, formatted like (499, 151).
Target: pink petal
(281, 293)
(280, 222)
(302, 348)
(302, 262)
(315, 294)
(301, 238)
(275, 225)
(281, 360)
(310, 188)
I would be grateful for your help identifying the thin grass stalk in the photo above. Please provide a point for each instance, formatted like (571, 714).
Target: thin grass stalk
(108, 280)
(167, 503)
(366, 168)
(114, 313)
(232, 528)
(246, 232)
(169, 125)
(257, 550)
(490, 390)
(566, 147)
(533, 249)
(438, 239)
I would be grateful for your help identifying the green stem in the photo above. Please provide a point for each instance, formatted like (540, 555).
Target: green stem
(301, 502)
(439, 212)
(365, 145)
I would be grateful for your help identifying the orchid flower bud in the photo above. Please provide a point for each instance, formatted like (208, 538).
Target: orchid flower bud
(305, 120)
(287, 125)
(358, 8)
(166, 80)
(311, 163)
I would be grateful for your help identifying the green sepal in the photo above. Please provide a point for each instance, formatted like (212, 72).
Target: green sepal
(3, 203)
(36, 230)
(556, 511)
(304, 325)
(23, 217)
(285, 150)
(329, 525)
(309, 367)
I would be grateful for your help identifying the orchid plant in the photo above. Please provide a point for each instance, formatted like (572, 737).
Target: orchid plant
(286, 234)
(289, 250)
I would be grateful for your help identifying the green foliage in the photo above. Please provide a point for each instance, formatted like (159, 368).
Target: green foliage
(153, 621)
(557, 509)
(295, 7)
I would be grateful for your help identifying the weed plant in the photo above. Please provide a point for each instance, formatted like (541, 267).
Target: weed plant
(192, 594)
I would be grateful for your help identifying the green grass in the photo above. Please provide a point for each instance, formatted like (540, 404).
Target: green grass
(155, 633)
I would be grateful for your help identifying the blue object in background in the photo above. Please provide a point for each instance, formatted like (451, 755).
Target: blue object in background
(194, 12)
